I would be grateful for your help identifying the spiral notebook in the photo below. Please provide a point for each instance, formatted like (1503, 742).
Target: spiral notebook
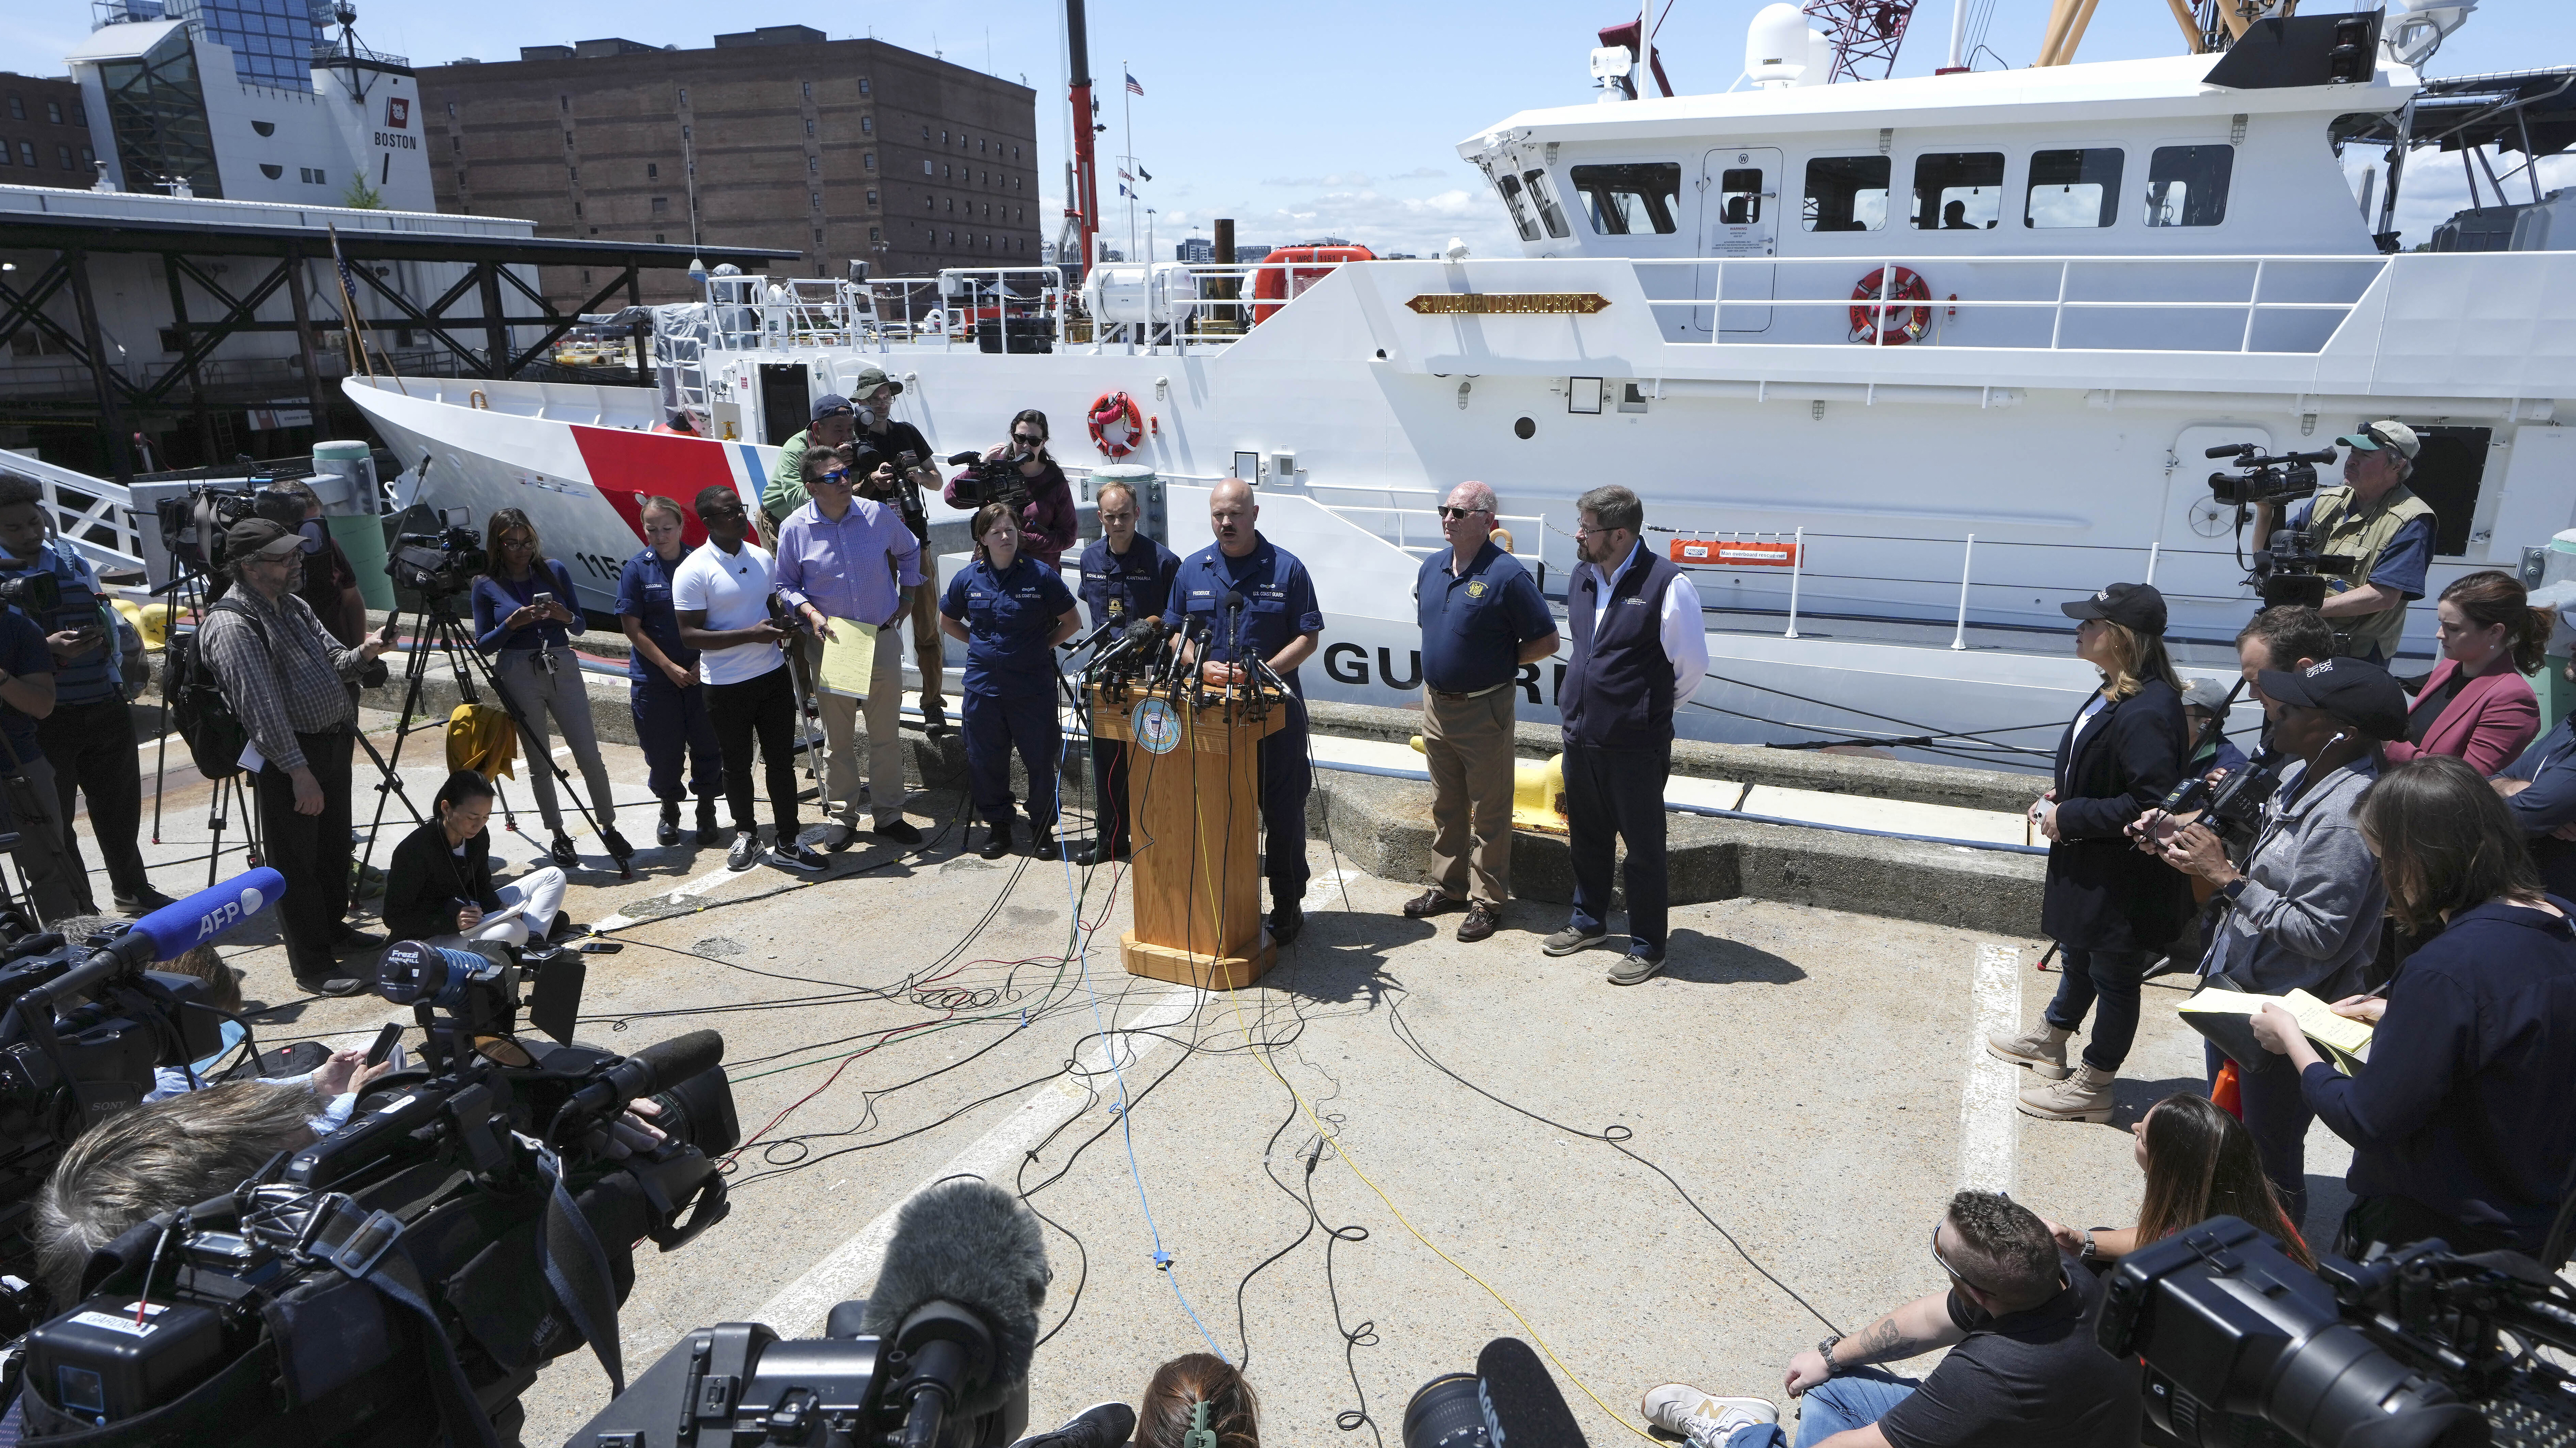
(2225, 1015)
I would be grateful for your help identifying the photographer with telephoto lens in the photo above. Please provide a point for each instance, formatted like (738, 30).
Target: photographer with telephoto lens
(2464, 1121)
(2304, 911)
(1048, 523)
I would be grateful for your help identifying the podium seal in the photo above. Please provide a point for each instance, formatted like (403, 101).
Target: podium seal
(1156, 726)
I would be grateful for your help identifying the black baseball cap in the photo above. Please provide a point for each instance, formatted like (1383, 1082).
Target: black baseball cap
(830, 404)
(2355, 691)
(2131, 605)
(260, 538)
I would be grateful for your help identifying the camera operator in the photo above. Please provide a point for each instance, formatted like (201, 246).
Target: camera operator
(909, 470)
(1125, 575)
(2023, 1368)
(721, 595)
(834, 421)
(662, 682)
(524, 613)
(87, 741)
(2105, 907)
(1010, 610)
(2304, 911)
(439, 887)
(2539, 790)
(293, 687)
(2378, 529)
(1047, 520)
(2464, 1121)
(850, 560)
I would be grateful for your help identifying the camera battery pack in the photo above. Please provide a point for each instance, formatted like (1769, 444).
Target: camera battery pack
(100, 1365)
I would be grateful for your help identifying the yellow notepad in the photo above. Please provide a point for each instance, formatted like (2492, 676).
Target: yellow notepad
(849, 658)
(2344, 1042)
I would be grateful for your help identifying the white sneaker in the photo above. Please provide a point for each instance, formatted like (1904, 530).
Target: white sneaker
(1705, 1420)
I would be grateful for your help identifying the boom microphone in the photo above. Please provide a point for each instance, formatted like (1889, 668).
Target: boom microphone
(965, 1274)
(657, 1067)
(170, 932)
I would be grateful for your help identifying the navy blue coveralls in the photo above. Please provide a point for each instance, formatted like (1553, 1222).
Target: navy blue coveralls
(1009, 698)
(668, 718)
(1140, 583)
(1279, 605)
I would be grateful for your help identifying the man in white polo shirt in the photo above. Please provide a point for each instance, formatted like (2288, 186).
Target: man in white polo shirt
(721, 594)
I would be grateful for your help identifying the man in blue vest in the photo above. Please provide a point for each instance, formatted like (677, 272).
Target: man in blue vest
(1639, 651)
(1275, 618)
(1126, 577)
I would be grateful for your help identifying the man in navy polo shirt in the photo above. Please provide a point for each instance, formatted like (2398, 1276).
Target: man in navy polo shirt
(1279, 623)
(1482, 619)
(1126, 577)
(1640, 650)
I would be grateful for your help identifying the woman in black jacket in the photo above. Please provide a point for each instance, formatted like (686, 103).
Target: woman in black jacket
(439, 886)
(2107, 905)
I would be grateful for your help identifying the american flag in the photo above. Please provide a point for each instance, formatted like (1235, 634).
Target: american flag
(1123, 176)
(1133, 88)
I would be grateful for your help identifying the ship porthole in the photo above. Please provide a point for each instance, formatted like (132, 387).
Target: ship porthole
(1524, 429)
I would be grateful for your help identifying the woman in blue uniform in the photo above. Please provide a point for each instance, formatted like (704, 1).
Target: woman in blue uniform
(1010, 610)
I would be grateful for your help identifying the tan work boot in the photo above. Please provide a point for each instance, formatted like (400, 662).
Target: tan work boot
(2084, 1096)
(2042, 1048)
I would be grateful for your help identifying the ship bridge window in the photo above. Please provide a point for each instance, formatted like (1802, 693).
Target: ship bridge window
(2187, 185)
(1846, 193)
(1543, 196)
(1633, 198)
(1958, 190)
(1516, 202)
(2073, 188)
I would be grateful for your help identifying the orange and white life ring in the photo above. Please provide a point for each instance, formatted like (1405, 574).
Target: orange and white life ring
(1896, 324)
(1116, 426)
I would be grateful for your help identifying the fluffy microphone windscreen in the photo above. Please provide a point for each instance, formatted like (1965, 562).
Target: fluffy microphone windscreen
(973, 1244)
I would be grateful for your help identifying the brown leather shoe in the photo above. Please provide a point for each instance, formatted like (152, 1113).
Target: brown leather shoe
(1480, 922)
(1431, 902)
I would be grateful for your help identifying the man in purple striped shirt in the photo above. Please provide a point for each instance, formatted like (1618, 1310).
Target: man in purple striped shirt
(847, 559)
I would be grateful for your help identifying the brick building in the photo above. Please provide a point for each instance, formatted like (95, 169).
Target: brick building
(44, 133)
(843, 150)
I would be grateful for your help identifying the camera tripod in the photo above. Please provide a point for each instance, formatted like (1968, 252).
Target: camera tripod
(443, 634)
(190, 591)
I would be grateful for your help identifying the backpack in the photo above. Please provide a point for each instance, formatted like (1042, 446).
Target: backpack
(195, 698)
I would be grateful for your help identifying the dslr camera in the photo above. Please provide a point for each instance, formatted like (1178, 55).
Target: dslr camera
(2413, 1348)
(402, 1280)
(990, 480)
(439, 565)
(2233, 806)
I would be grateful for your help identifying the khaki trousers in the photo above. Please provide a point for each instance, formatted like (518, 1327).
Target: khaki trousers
(1468, 743)
(929, 645)
(845, 795)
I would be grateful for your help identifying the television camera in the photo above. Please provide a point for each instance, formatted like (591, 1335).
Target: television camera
(990, 480)
(2285, 571)
(84, 1027)
(2413, 1348)
(193, 524)
(440, 565)
(375, 1287)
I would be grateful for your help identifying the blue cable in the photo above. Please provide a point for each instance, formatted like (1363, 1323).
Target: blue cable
(1163, 1260)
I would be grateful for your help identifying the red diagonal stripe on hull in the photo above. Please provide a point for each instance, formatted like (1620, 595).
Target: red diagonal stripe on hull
(628, 467)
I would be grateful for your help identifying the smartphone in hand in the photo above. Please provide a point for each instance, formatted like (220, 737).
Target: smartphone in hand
(384, 1045)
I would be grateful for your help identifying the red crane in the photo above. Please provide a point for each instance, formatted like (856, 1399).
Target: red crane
(1865, 33)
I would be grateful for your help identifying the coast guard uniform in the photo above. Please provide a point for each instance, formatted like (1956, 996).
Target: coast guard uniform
(1139, 583)
(1279, 605)
(1010, 682)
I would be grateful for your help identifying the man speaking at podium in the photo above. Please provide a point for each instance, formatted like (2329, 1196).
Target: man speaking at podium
(1272, 617)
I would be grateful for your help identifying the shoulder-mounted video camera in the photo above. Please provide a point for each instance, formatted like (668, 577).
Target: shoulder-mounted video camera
(2413, 1348)
(402, 1279)
(193, 524)
(990, 480)
(2288, 569)
(439, 565)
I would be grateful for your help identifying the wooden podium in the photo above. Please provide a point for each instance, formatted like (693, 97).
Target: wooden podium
(1193, 812)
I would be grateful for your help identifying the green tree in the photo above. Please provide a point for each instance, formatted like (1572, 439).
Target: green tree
(360, 195)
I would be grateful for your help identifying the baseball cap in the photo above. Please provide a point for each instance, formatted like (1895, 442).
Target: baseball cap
(2388, 434)
(2131, 605)
(260, 538)
(830, 404)
(2206, 694)
(870, 379)
(2355, 691)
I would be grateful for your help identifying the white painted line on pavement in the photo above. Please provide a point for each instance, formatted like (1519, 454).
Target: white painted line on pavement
(848, 1270)
(690, 891)
(1989, 1102)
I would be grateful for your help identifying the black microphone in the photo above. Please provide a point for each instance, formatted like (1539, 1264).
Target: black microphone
(1527, 1409)
(1087, 640)
(1172, 661)
(657, 1067)
(964, 459)
(1233, 603)
(965, 1274)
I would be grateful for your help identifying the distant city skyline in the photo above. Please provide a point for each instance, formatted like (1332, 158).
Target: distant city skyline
(1292, 130)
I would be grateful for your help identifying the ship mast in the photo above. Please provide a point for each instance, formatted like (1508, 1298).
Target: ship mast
(1082, 190)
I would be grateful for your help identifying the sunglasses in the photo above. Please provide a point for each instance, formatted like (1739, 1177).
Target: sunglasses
(837, 477)
(1025, 440)
(730, 511)
(1447, 512)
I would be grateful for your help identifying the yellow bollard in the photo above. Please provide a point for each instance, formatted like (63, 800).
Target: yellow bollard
(1538, 791)
(151, 620)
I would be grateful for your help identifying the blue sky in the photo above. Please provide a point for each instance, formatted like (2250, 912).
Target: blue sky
(1330, 117)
